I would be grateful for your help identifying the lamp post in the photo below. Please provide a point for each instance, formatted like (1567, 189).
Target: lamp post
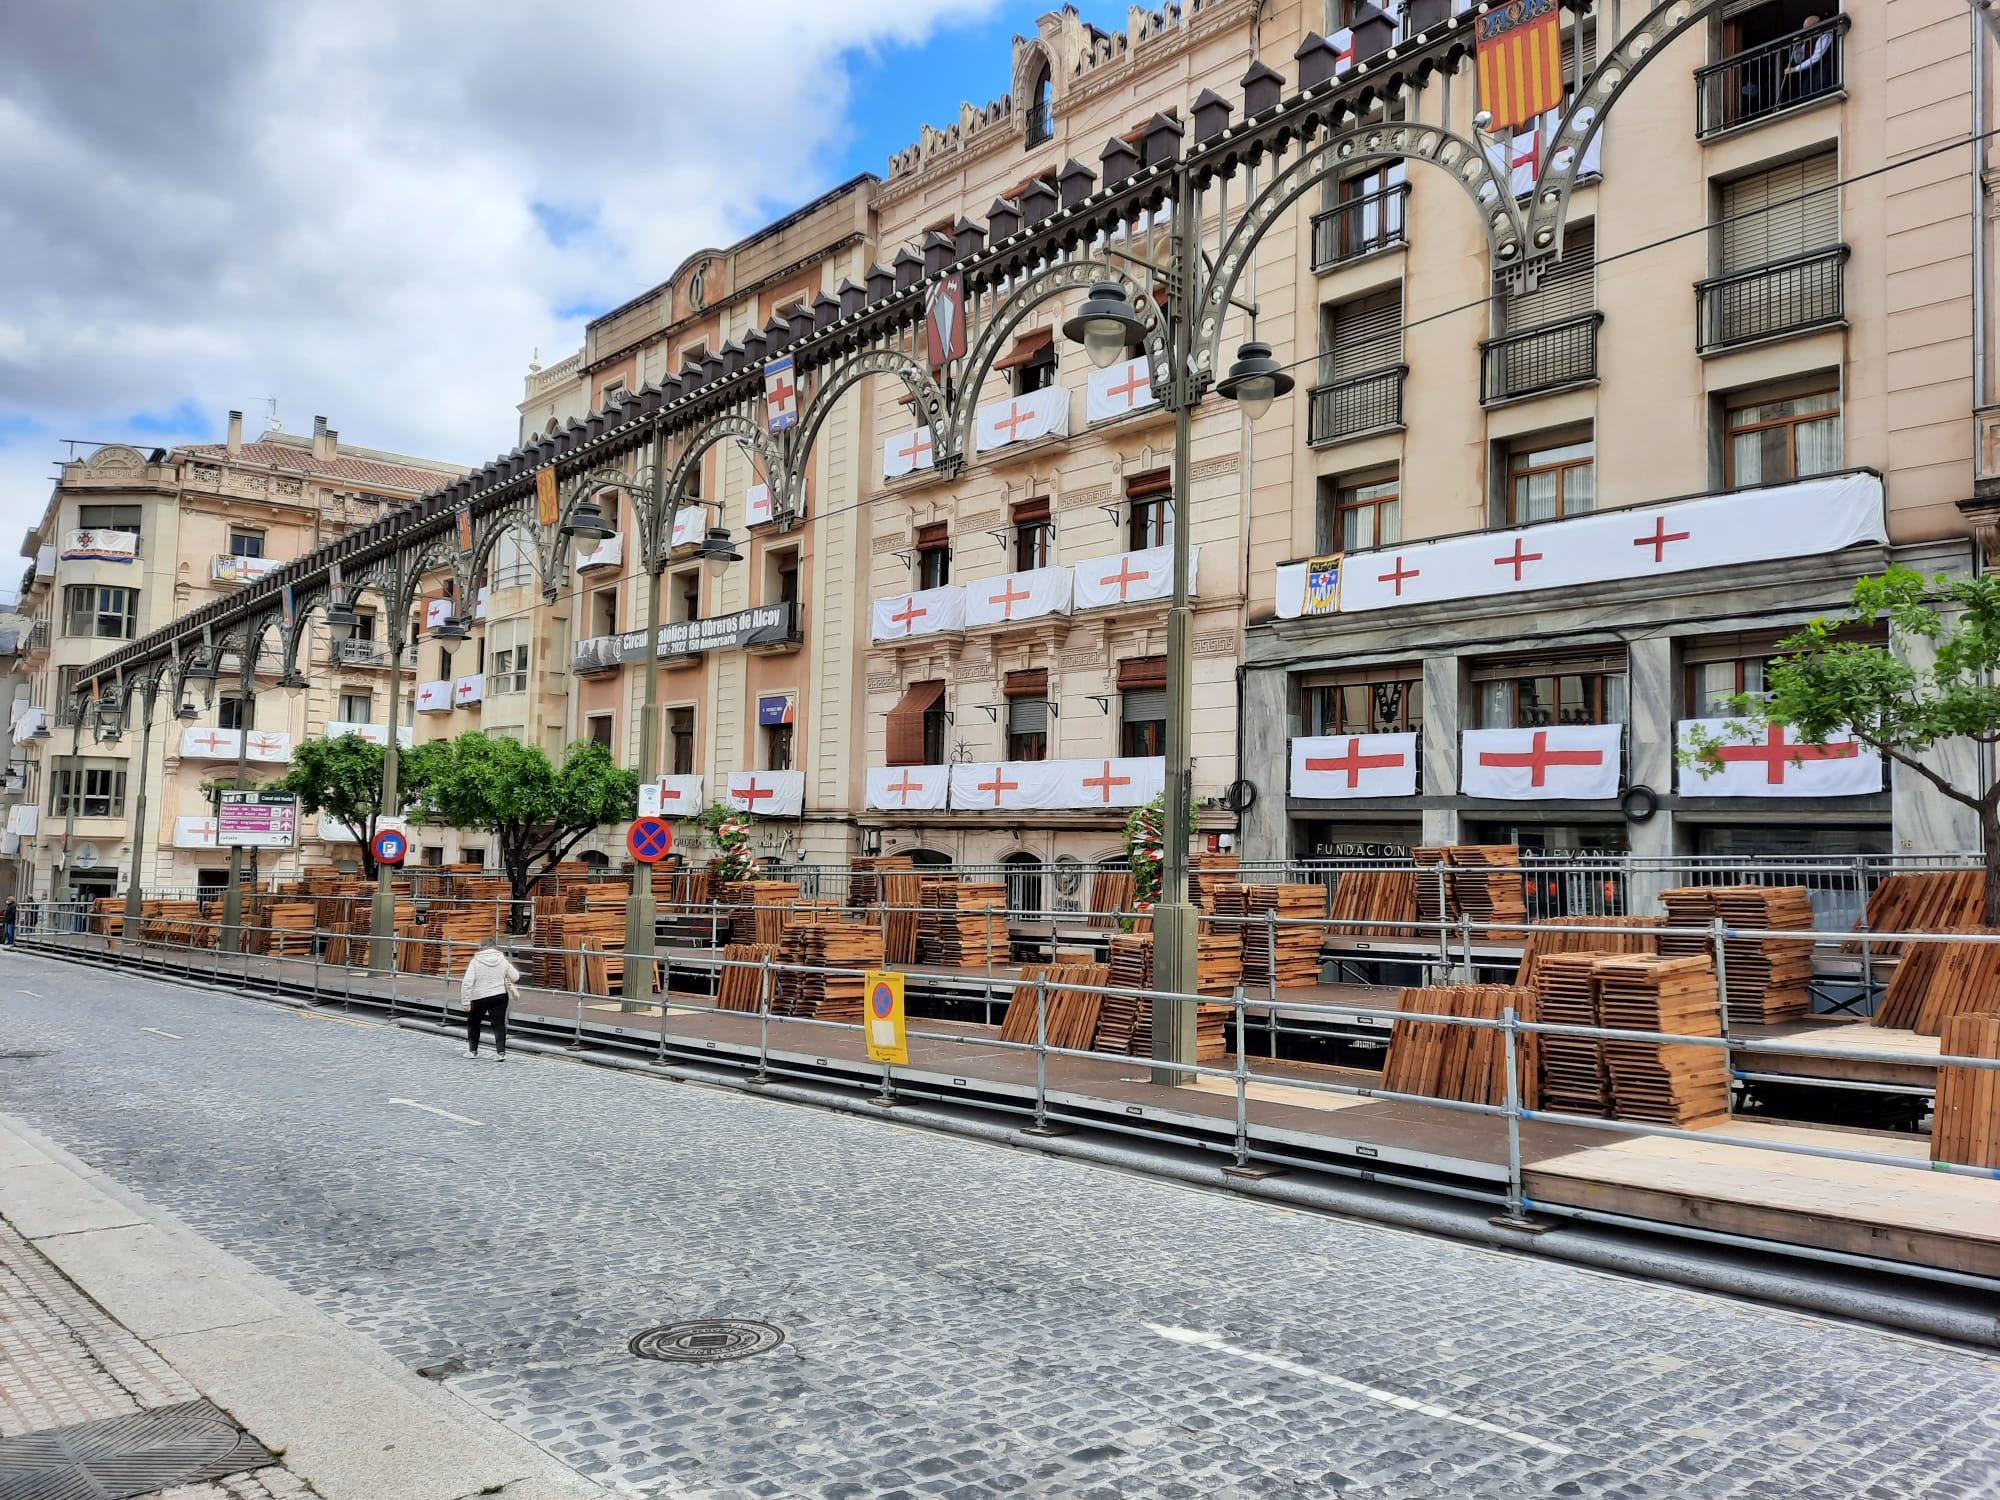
(1106, 325)
(232, 894)
(72, 794)
(341, 621)
(135, 895)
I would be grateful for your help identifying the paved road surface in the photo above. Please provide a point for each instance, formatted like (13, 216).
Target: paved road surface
(960, 1320)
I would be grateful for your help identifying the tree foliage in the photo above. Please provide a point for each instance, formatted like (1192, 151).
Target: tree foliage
(1827, 683)
(342, 778)
(729, 836)
(535, 811)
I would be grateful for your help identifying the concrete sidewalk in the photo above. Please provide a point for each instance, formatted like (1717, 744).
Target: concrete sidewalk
(108, 1308)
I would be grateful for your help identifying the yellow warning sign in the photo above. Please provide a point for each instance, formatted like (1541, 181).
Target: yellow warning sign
(884, 1017)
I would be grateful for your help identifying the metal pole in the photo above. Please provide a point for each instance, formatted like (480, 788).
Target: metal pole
(232, 894)
(1722, 1007)
(642, 913)
(1242, 1088)
(763, 1073)
(1173, 915)
(1510, 1036)
(1041, 1125)
(69, 810)
(382, 914)
(135, 895)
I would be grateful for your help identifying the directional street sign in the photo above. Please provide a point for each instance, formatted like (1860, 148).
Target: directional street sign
(649, 839)
(390, 846)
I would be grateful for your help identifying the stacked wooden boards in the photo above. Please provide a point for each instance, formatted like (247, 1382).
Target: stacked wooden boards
(1923, 901)
(1276, 955)
(1069, 1016)
(1469, 1063)
(822, 955)
(740, 985)
(1574, 1079)
(1936, 981)
(892, 885)
(963, 924)
(1966, 1127)
(1666, 1083)
(1480, 881)
(1564, 935)
(1765, 977)
(1374, 904)
(1125, 1021)
(1110, 894)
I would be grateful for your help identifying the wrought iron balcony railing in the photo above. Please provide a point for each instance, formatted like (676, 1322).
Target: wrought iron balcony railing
(1763, 81)
(1360, 226)
(1369, 402)
(1542, 358)
(1787, 296)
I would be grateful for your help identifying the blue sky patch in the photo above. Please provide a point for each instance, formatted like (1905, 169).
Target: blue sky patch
(183, 420)
(563, 225)
(15, 425)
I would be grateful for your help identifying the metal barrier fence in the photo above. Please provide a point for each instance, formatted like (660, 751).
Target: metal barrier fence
(436, 996)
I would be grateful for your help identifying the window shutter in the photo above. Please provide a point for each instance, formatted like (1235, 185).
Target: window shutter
(1028, 716)
(1365, 335)
(1142, 672)
(1030, 682)
(1026, 348)
(1776, 214)
(1568, 288)
(1032, 510)
(933, 535)
(1145, 486)
(906, 723)
(1142, 704)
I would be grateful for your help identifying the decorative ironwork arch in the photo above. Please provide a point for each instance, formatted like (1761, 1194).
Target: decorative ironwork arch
(746, 430)
(551, 545)
(927, 395)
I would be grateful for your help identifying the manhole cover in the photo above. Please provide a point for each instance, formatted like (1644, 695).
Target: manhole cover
(706, 1340)
(129, 1455)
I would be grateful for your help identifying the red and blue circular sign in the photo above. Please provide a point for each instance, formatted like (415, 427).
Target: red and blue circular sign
(649, 839)
(390, 845)
(883, 1001)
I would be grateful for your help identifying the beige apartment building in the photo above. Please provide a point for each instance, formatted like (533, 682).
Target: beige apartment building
(130, 541)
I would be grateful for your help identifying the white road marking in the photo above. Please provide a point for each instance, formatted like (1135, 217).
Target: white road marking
(157, 1032)
(432, 1109)
(36, 993)
(1387, 1398)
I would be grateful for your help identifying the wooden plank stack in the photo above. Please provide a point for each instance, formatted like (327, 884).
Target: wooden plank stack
(1480, 881)
(1574, 1079)
(1937, 981)
(740, 986)
(1965, 1129)
(1125, 1021)
(1295, 962)
(1557, 935)
(1384, 900)
(1206, 873)
(1765, 978)
(822, 940)
(1682, 1084)
(1468, 1063)
(955, 930)
(1071, 1015)
(1924, 901)
(1110, 892)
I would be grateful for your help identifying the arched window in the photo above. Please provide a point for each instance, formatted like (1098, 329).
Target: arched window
(1024, 885)
(1041, 109)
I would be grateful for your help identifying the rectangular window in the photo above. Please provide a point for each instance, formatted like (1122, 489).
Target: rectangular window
(1365, 214)
(357, 708)
(111, 517)
(684, 597)
(444, 663)
(680, 741)
(1711, 684)
(778, 747)
(1361, 337)
(933, 556)
(1769, 441)
(1546, 480)
(89, 788)
(513, 564)
(1356, 516)
(1365, 705)
(610, 394)
(1034, 535)
(597, 729)
(106, 613)
(234, 711)
(509, 672)
(1777, 214)
(1582, 695)
(604, 612)
(1028, 714)
(781, 575)
(244, 542)
(1150, 519)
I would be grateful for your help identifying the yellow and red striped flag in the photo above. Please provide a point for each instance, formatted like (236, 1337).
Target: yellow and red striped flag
(1520, 62)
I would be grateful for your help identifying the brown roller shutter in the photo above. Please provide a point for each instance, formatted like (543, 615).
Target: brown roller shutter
(906, 723)
(1145, 486)
(1032, 510)
(933, 535)
(1030, 682)
(1026, 347)
(1142, 672)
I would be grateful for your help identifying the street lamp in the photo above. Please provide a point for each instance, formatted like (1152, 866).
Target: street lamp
(342, 621)
(187, 713)
(1255, 380)
(1105, 325)
(717, 551)
(587, 521)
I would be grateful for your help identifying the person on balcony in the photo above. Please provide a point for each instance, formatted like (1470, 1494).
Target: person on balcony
(1806, 73)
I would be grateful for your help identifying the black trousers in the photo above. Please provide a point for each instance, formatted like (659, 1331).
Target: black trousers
(491, 1008)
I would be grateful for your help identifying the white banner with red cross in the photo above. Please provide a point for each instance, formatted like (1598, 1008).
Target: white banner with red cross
(925, 612)
(905, 452)
(1805, 519)
(908, 788)
(1560, 763)
(434, 697)
(1126, 386)
(1121, 781)
(1354, 765)
(1524, 155)
(671, 797)
(1772, 763)
(1051, 785)
(194, 833)
(1131, 577)
(1018, 596)
(768, 794)
(1020, 419)
(757, 505)
(690, 526)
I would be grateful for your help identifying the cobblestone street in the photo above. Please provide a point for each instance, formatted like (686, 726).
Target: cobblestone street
(959, 1320)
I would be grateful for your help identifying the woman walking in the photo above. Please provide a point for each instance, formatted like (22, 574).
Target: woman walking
(490, 982)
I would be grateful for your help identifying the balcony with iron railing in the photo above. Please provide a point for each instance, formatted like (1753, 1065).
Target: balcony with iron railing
(1786, 297)
(1360, 226)
(1359, 404)
(1040, 121)
(1544, 358)
(356, 653)
(1775, 78)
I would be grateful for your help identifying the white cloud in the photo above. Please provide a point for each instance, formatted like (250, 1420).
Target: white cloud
(332, 202)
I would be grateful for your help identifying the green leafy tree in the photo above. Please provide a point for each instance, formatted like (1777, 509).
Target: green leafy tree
(1827, 684)
(534, 810)
(341, 778)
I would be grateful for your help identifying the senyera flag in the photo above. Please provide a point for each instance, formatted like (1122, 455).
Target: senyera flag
(1520, 62)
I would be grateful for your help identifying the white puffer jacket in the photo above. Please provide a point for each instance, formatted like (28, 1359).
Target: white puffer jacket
(488, 974)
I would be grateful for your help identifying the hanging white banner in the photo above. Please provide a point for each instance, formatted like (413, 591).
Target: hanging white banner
(333, 831)
(987, 785)
(757, 505)
(1122, 781)
(903, 452)
(908, 788)
(1018, 596)
(1021, 419)
(433, 697)
(926, 612)
(468, 690)
(375, 734)
(1354, 765)
(436, 612)
(1775, 764)
(208, 743)
(24, 817)
(1126, 386)
(194, 833)
(769, 794)
(671, 797)
(268, 747)
(1562, 762)
(690, 526)
(1523, 157)
(1131, 577)
(1805, 519)
(1051, 785)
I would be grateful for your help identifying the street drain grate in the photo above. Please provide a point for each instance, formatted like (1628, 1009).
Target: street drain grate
(130, 1455)
(9, 1054)
(705, 1341)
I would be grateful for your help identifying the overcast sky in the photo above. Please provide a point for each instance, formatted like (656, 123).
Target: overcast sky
(376, 209)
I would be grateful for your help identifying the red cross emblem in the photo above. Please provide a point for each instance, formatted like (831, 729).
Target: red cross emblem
(903, 788)
(1532, 158)
(909, 612)
(1659, 539)
(920, 444)
(263, 742)
(1135, 380)
(1013, 420)
(1006, 597)
(1353, 762)
(1776, 754)
(781, 392)
(1124, 578)
(1106, 781)
(751, 792)
(1399, 575)
(1517, 559)
(202, 831)
(1540, 757)
(671, 794)
(997, 785)
(212, 741)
